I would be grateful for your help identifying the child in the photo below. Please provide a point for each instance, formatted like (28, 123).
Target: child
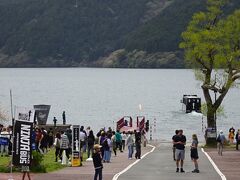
(194, 152)
(97, 161)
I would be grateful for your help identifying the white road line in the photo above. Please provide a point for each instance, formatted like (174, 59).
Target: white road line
(214, 165)
(115, 177)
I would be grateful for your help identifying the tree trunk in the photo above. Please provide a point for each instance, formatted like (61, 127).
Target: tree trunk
(211, 118)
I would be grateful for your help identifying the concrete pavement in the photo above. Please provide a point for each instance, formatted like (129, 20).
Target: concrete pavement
(229, 163)
(160, 165)
(86, 172)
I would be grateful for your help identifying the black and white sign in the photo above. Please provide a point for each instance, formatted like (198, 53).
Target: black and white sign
(75, 138)
(41, 113)
(22, 143)
(76, 146)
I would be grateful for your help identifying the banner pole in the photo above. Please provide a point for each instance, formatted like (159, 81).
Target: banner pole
(11, 175)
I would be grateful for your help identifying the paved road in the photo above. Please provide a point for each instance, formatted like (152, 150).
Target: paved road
(160, 165)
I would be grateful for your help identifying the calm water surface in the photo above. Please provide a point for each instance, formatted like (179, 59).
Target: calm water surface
(99, 97)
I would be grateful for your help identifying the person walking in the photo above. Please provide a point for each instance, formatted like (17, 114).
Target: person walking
(97, 162)
(129, 144)
(194, 153)
(114, 144)
(83, 140)
(50, 138)
(237, 137)
(220, 142)
(174, 146)
(107, 147)
(138, 145)
(118, 139)
(180, 142)
(91, 140)
(64, 145)
(57, 146)
(124, 137)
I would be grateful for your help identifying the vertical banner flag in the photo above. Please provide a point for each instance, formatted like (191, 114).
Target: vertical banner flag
(75, 146)
(22, 152)
(41, 113)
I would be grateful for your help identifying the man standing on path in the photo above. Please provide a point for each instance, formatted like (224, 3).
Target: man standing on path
(180, 141)
(174, 146)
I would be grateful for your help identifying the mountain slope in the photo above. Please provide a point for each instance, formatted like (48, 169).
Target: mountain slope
(47, 33)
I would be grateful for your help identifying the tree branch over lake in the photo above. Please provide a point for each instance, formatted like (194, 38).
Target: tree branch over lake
(211, 43)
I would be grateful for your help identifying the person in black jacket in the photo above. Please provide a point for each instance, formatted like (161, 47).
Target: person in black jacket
(174, 146)
(180, 141)
(97, 162)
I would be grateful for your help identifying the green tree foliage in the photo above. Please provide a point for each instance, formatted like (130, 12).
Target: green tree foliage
(212, 44)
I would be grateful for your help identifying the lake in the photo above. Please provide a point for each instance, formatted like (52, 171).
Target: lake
(99, 97)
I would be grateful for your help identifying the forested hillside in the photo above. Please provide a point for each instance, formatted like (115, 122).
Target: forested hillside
(102, 33)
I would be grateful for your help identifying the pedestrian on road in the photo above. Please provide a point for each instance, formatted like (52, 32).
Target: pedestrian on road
(237, 139)
(130, 143)
(138, 145)
(124, 137)
(194, 153)
(91, 140)
(180, 142)
(107, 147)
(114, 144)
(97, 162)
(174, 146)
(118, 139)
(220, 142)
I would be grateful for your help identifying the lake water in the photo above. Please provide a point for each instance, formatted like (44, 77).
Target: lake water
(99, 97)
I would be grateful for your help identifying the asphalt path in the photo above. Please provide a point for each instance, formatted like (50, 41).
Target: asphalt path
(159, 165)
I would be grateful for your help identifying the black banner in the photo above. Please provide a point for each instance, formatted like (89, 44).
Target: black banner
(75, 138)
(41, 113)
(22, 151)
(76, 146)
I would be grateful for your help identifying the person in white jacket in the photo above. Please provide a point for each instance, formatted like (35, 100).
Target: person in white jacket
(129, 144)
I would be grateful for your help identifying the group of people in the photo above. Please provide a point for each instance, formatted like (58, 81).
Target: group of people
(232, 136)
(99, 146)
(179, 142)
(108, 141)
(221, 139)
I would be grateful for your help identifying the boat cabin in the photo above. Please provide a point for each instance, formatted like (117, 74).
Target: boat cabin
(191, 103)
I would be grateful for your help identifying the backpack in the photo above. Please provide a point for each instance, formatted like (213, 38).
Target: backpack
(105, 144)
(238, 137)
(219, 139)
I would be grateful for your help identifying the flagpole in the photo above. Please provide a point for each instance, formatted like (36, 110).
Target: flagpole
(11, 175)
